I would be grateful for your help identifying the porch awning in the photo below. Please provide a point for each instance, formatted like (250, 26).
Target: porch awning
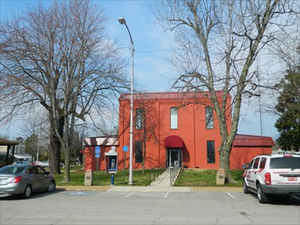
(8, 142)
(174, 141)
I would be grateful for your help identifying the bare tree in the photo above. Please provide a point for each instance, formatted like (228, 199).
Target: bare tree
(35, 132)
(60, 58)
(219, 42)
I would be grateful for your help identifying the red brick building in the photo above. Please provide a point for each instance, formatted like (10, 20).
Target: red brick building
(172, 128)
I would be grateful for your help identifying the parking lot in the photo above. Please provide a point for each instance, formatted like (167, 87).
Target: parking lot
(117, 207)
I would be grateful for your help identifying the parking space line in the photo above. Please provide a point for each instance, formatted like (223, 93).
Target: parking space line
(230, 195)
(166, 195)
(129, 194)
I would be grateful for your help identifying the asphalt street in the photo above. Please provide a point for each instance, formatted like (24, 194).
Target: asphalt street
(145, 208)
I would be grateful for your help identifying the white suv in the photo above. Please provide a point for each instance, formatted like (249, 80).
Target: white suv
(272, 174)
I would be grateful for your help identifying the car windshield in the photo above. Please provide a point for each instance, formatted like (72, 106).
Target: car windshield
(11, 169)
(285, 163)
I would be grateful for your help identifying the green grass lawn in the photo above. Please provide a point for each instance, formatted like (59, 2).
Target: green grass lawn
(190, 177)
(140, 178)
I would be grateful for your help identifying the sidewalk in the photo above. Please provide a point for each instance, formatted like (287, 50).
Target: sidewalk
(162, 181)
(84, 188)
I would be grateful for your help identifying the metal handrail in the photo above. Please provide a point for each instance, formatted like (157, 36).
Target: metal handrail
(174, 172)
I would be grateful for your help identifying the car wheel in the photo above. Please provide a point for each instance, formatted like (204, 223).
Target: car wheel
(28, 191)
(52, 186)
(261, 196)
(245, 188)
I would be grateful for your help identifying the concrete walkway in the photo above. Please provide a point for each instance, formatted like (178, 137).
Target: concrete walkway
(162, 180)
(161, 184)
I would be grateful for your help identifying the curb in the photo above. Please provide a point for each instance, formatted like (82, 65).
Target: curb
(111, 188)
(83, 188)
(218, 189)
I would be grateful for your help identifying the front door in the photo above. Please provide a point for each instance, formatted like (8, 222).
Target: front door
(174, 157)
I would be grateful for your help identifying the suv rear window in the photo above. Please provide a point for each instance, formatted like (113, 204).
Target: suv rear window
(285, 162)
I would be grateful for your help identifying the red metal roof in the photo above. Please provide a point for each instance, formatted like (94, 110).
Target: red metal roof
(170, 95)
(242, 140)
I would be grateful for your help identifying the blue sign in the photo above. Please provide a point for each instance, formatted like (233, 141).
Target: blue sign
(97, 151)
(125, 148)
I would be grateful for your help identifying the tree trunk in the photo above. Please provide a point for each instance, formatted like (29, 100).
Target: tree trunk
(54, 153)
(55, 145)
(67, 165)
(224, 159)
(68, 139)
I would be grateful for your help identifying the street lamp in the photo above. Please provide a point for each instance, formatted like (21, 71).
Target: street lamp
(123, 22)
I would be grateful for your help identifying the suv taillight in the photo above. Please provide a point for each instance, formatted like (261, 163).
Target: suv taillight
(268, 180)
(17, 179)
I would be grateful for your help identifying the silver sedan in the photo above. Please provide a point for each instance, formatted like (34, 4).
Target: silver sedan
(21, 179)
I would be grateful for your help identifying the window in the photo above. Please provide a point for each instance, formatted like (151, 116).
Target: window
(262, 163)
(138, 152)
(11, 170)
(211, 152)
(33, 170)
(174, 118)
(139, 121)
(251, 164)
(285, 163)
(209, 117)
(255, 165)
(40, 170)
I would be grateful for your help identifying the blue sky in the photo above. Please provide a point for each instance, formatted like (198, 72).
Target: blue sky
(153, 71)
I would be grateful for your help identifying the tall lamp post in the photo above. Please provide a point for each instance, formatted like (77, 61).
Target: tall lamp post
(123, 22)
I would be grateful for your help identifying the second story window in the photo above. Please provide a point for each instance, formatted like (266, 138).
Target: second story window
(139, 121)
(209, 119)
(174, 117)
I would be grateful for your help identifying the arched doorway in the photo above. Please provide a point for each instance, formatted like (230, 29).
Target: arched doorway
(174, 151)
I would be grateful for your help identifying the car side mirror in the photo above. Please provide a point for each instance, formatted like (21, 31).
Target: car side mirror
(245, 166)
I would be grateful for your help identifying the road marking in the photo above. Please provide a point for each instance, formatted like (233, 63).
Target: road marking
(230, 195)
(166, 195)
(129, 194)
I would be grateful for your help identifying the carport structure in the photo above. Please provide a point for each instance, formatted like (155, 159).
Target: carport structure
(10, 150)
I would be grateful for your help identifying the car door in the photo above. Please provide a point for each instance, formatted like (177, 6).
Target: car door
(43, 179)
(252, 173)
(248, 172)
(33, 178)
